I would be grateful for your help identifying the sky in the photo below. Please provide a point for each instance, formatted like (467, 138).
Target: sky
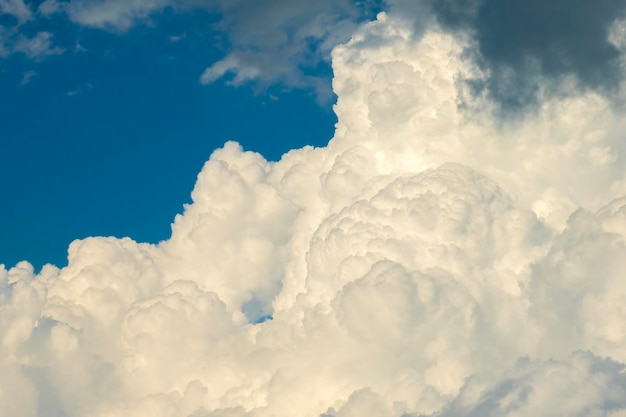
(265, 208)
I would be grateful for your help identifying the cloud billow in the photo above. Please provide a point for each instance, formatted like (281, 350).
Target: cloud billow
(431, 260)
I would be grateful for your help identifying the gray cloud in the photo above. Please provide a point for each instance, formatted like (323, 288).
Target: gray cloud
(266, 42)
(588, 385)
(37, 47)
(16, 8)
(278, 41)
(521, 43)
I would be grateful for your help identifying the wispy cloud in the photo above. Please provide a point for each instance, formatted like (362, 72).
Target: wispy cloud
(50, 7)
(14, 40)
(117, 15)
(17, 9)
(28, 77)
(177, 38)
(80, 90)
(270, 42)
(277, 42)
(38, 47)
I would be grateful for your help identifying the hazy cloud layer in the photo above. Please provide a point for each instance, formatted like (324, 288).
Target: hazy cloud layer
(431, 260)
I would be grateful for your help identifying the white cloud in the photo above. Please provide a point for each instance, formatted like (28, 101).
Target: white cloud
(17, 9)
(50, 7)
(28, 77)
(269, 41)
(431, 260)
(112, 14)
(177, 38)
(233, 64)
(13, 40)
(38, 47)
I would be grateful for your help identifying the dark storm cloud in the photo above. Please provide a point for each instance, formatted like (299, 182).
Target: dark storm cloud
(520, 42)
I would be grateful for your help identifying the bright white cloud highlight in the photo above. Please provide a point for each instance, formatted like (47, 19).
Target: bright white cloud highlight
(431, 260)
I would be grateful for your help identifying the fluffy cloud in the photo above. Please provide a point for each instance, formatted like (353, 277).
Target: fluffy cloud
(431, 260)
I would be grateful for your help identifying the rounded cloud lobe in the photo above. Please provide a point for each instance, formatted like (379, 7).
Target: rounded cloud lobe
(431, 260)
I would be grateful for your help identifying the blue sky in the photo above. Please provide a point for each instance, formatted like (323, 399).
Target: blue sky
(105, 125)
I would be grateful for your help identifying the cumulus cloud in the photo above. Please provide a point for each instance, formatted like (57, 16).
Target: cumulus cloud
(431, 260)
(521, 42)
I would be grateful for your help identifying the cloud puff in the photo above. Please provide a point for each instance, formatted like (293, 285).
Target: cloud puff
(431, 260)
